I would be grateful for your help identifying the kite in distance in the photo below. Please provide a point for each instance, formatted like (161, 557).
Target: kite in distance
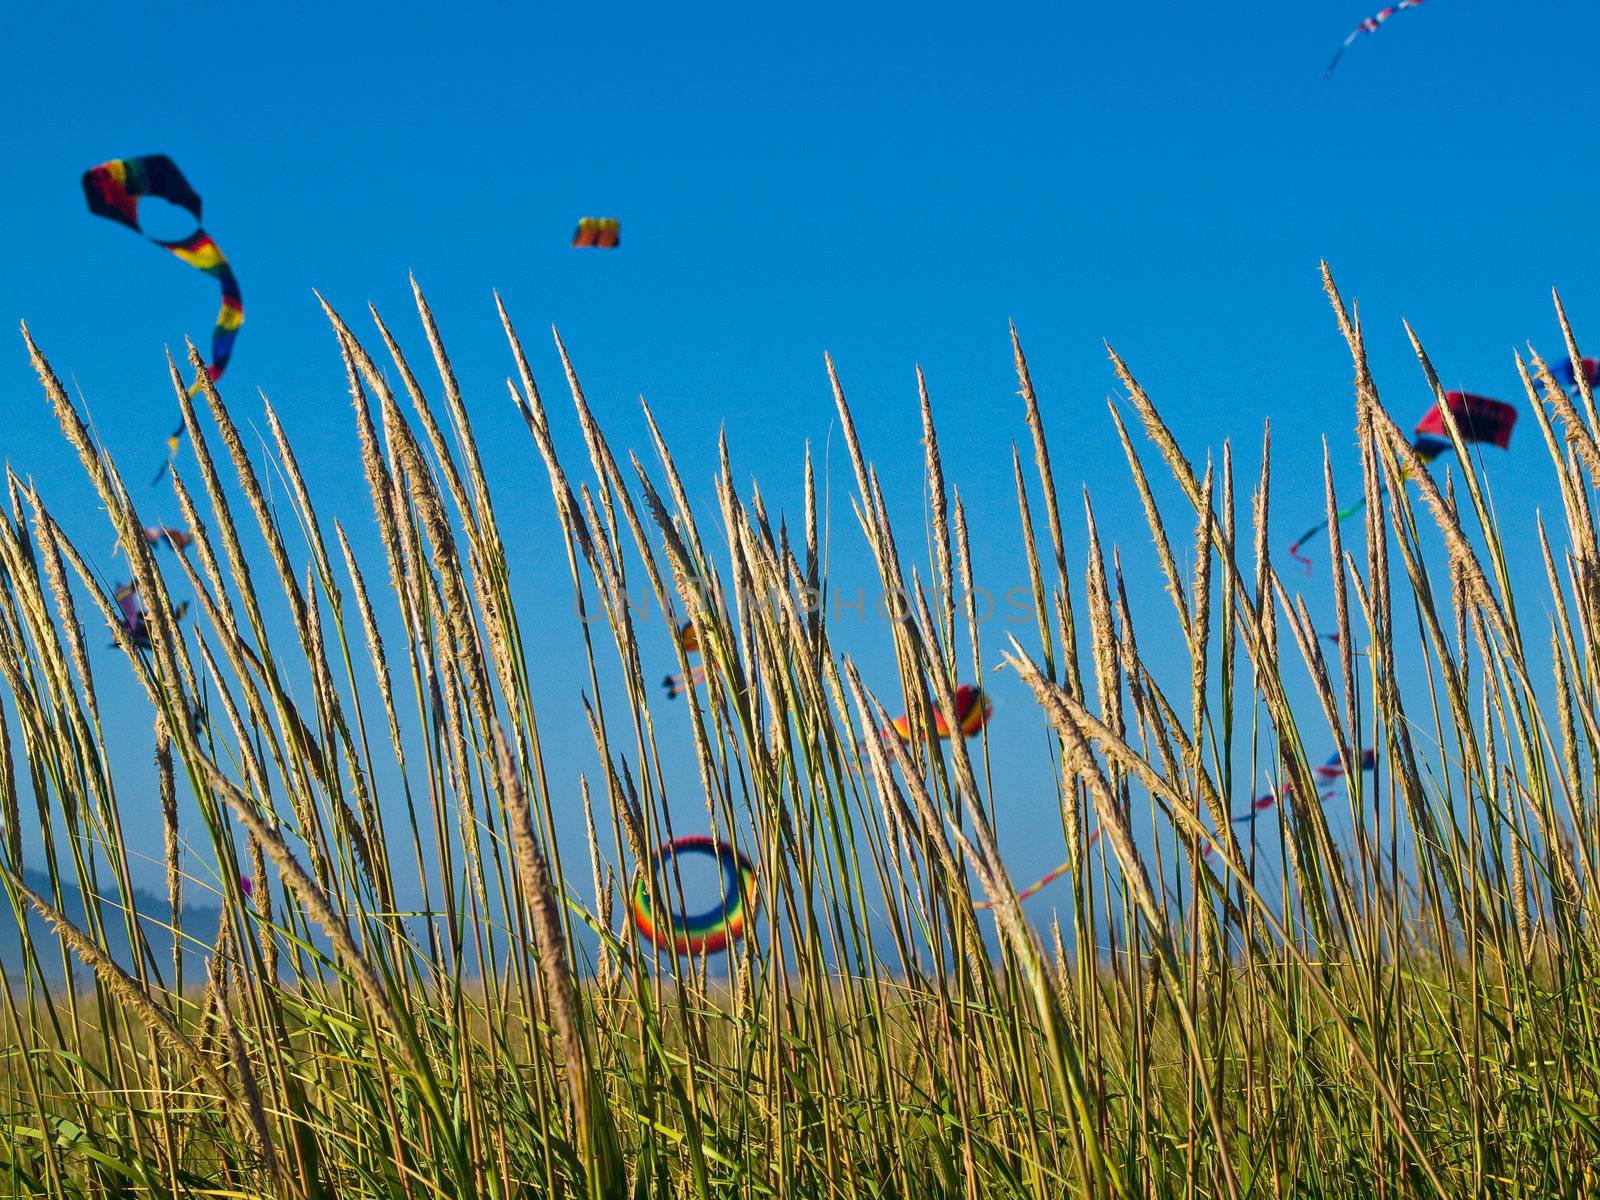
(695, 933)
(178, 539)
(1337, 640)
(603, 233)
(133, 620)
(677, 685)
(1370, 25)
(973, 711)
(1481, 421)
(1591, 373)
(113, 190)
(1334, 768)
(1327, 773)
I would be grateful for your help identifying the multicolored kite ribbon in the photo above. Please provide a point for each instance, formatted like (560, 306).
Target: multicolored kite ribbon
(1328, 772)
(1370, 25)
(114, 189)
(695, 933)
(1039, 885)
(1481, 421)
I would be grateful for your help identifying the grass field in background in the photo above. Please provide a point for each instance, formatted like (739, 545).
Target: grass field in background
(1409, 1008)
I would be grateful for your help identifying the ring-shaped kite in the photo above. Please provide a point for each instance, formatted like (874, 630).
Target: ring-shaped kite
(702, 932)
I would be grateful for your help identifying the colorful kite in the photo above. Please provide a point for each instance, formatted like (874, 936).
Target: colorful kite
(113, 190)
(1569, 377)
(1334, 767)
(973, 711)
(1258, 806)
(704, 932)
(677, 685)
(1481, 421)
(1370, 25)
(602, 233)
(178, 539)
(133, 615)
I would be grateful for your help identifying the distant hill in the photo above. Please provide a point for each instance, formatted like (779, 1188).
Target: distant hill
(155, 915)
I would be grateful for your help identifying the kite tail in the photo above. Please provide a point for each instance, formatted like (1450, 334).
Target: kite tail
(1342, 515)
(1270, 800)
(200, 252)
(1294, 550)
(1339, 53)
(1035, 888)
(229, 318)
(677, 685)
(172, 451)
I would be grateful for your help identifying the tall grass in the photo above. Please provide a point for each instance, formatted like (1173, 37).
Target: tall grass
(1407, 1010)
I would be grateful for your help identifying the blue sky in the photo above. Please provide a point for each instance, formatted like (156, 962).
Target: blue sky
(890, 184)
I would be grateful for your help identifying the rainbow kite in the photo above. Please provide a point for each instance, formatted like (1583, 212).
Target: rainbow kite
(113, 190)
(703, 932)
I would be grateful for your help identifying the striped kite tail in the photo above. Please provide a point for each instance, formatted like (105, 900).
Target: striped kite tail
(1341, 516)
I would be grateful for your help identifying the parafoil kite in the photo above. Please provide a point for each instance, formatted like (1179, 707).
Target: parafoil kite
(973, 711)
(703, 932)
(602, 233)
(677, 685)
(178, 539)
(1481, 421)
(1370, 25)
(113, 190)
(133, 619)
(1591, 373)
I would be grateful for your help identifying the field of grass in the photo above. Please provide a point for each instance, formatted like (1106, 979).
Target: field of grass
(1408, 1010)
